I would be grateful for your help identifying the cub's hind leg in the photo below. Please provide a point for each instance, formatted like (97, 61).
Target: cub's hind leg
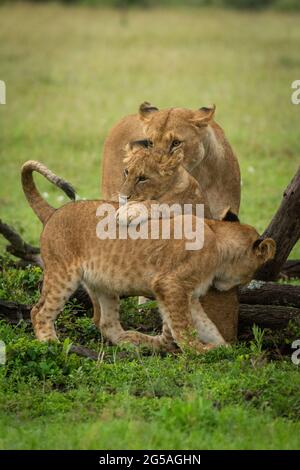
(58, 286)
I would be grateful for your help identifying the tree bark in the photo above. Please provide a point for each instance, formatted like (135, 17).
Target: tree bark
(267, 316)
(284, 229)
(14, 312)
(270, 293)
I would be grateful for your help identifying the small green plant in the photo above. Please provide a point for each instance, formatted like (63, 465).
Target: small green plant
(256, 346)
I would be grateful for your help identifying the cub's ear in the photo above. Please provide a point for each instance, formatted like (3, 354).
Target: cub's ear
(228, 216)
(203, 116)
(265, 249)
(146, 109)
(132, 148)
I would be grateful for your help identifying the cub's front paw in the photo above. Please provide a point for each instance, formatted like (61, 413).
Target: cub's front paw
(132, 213)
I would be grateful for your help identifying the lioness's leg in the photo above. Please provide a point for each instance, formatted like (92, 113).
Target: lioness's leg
(207, 330)
(58, 286)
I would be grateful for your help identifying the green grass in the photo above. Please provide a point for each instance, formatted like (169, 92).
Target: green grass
(52, 399)
(71, 73)
(242, 397)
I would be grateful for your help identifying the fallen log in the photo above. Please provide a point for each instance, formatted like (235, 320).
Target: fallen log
(13, 312)
(270, 293)
(267, 316)
(284, 229)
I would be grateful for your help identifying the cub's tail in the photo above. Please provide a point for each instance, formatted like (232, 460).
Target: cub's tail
(41, 207)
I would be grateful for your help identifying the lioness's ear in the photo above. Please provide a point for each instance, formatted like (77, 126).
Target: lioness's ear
(265, 249)
(228, 216)
(146, 109)
(203, 116)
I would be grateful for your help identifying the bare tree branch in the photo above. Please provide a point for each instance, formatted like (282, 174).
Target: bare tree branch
(18, 247)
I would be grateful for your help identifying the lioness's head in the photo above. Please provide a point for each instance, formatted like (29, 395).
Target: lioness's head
(170, 129)
(149, 173)
(245, 252)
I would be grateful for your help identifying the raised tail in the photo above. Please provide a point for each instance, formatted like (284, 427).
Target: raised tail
(41, 207)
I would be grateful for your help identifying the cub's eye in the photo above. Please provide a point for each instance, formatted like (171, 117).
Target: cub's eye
(175, 143)
(142, 179)
(125, 172)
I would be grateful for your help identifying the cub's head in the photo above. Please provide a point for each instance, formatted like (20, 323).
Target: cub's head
(245, 252)
(170, 129)
(149, 173)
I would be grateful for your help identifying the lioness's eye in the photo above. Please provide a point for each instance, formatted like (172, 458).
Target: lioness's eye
(175, 143)
(125, 172)
(142, 179)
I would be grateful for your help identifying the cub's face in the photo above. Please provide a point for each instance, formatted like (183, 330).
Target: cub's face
(149, 173)
(174, 128)
(250, 254)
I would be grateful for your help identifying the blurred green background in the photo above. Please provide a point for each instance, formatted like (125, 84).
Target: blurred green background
(73, 71)
(241, 4)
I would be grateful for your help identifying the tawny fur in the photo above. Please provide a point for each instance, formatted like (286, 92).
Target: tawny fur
(41, 207)
(208, 155)
(164, 181)
(73, 254)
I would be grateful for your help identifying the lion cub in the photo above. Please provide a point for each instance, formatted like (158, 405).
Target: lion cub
(72, 253)
(151, 176)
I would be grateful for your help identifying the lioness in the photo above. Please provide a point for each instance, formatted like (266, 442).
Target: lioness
(208, 157)
(207, 154)
(73, 254)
